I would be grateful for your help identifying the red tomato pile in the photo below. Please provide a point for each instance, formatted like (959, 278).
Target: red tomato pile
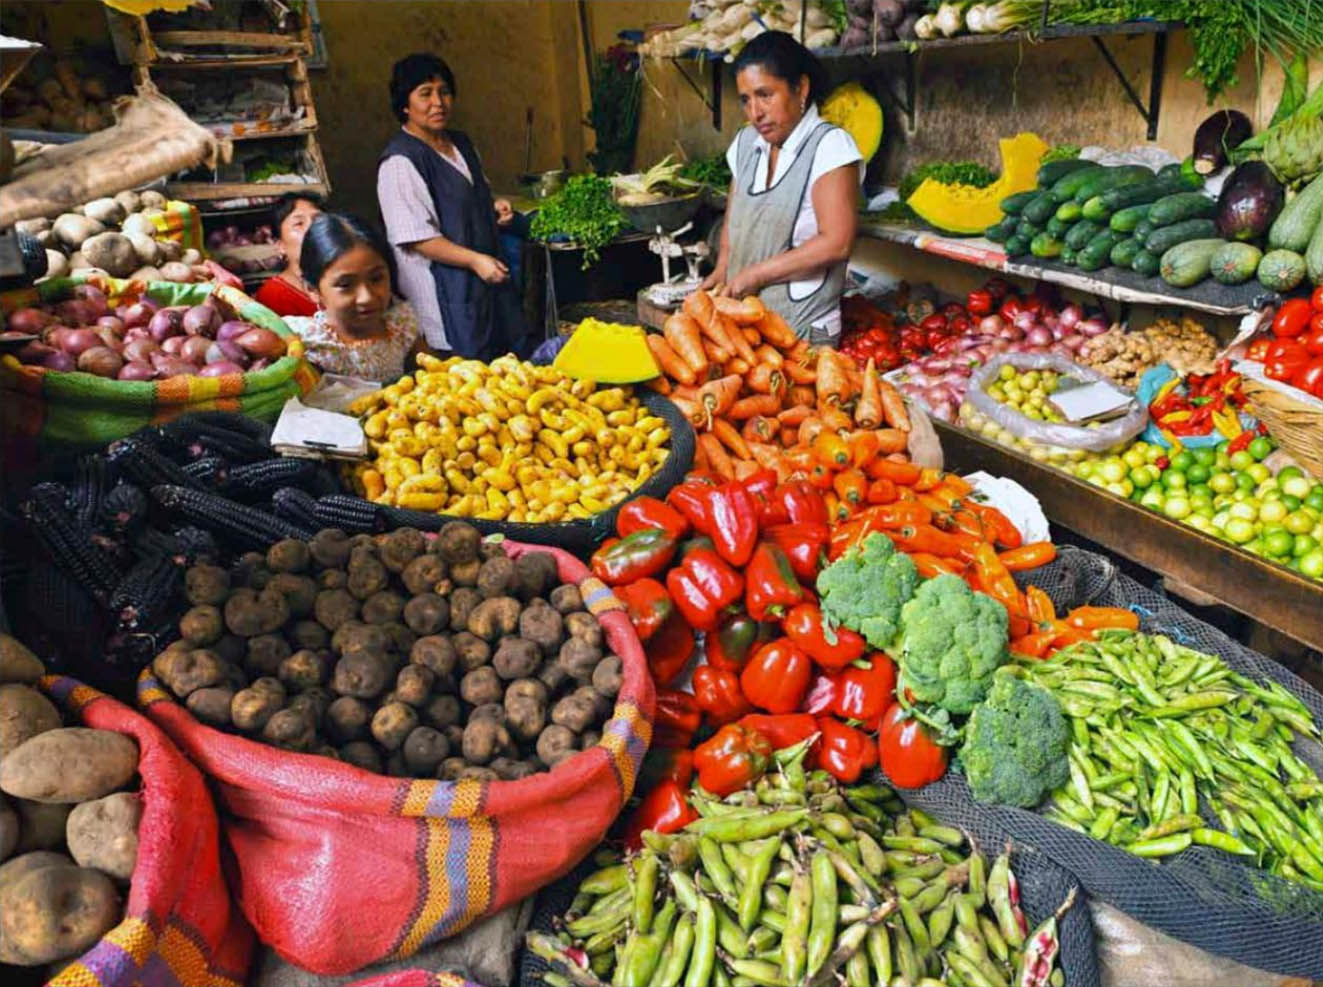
(1293, 354)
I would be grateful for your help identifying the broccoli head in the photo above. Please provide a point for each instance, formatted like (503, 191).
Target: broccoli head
(865, 588)
(1015, 744)
(952, 640)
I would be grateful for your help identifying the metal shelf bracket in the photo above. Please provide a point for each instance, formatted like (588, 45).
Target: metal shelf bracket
(712, 102)
(1156, 68)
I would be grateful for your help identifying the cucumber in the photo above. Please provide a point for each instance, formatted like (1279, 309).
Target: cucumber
(1057, 227)
(1170, 171)
(1314, 256)
(1181, 206)
(1027, 229)
(1054, 171)
(1281, 270)
(1095, 210)
(1096, 251)
(1296, 223)
(1017, 246)
(1013, 204)
(1082, 232)
(1234, 263)
(1068, 256)
(1124, 252)
(1113, 178)
(1127, 220)
(1146, 262)
(1070, 212)
(1140, 192)
(1039, 210)
(1183, 174)
(1045, 245)
(1003, 231)
(1165, 237)
(1065, 187)
(1188, 263)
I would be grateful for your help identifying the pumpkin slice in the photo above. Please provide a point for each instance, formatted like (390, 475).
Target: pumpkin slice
(854, 110)
(969, 210)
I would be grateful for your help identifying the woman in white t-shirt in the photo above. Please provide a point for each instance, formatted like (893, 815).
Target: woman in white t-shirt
(791, 216)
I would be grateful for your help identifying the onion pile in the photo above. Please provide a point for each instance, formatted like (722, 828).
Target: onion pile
(140, 340)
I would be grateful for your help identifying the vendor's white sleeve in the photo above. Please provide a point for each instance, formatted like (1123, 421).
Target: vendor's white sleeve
(732, 154)
(836, 148)
(406, 204)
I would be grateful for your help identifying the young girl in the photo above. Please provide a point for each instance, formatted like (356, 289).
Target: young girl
(360, 328)
(287, 293)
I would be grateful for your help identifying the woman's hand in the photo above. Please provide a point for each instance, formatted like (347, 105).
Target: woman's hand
(489, 269)
(504, 212)
(714, 280)
(746, 283)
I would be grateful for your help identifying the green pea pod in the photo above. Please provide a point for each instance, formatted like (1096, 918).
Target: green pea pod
(856, 970)
(1104, 823)
(720, 978)
(760, 972)
(730, 936)
(822, 922)
(1080, 782)
(751, 894)
(685, 890)
(704, 955)
(714, 866)
(581, 928)
(908, 887)
(775, 897)
(1173, 824)
(836, 824)
(1162, 847)
(918, 932)
(1193, 701)
(978, 879)
(773, 920)
(944, 834)
(625, 962)
(931, 896)
(663, 961)
(972, 973)
(924, 870)
(794, 940)
(849, 914)
(725, 829)
(878, 947)
(906, 960)
(872, 855)
(602, 942)
(992, 936)
(1219, 840)
(735, 860)
(969, 943)
(646, 870)
(646, 957)
(940, 920)
(606, 880)
(913, 844)
(611, 902)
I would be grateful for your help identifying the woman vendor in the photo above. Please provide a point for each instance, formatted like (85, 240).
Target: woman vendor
(287, 293)
(790, 219)
(360, 329)
(442, 222)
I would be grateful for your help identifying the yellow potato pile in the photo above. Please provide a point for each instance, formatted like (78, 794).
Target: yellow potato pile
(505, 441)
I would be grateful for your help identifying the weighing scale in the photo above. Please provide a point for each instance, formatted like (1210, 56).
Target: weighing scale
(665, 222)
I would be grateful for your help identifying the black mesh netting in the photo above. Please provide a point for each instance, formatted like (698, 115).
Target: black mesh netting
(1201, 896)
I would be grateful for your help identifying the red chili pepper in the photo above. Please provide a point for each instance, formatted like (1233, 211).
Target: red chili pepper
(804, 545)
(864, 694)
(646, 513)
(844, 752)
(734, 758)
(1009, 309)
(802, 502)
(717, 691)
(831, 648)
(996, 580)
(702, 586)
(733, 642)
(777, 676)
(732, 522)
(669, 650)
(821, 694)
(762, 488)
(909, 756)
(665, 809)
(784, 730)
(648, 604)
(644, 553)
(690, 500)
(1292, 318)
(677, 719)
(770, 586)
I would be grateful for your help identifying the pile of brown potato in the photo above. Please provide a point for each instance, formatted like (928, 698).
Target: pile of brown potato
(68, 833)
(412, 658)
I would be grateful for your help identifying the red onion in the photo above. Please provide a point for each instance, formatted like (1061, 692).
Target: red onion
(113, 322)
(220, 369)
(34, 352)
(172, 344)
(1039, 336)
(110, 338)
(1073, 343)
(999, 345)
(1013, 332)
(31, 320)
(60, 361)
(990, 324)
(100, 360)
(136, 370)
(1093, 327)
(935, 364)
(195, 349)
(76, 342)
(231, 330)
(137, 332)
(262, 343)
(1025, 320)
(201, 320)
(1070, 316)
(227, 350)
(78, 312)
(140, 349)
(166, 323)
(139, 313)
(168, 366)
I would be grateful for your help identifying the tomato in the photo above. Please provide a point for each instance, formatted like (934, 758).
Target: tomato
(933, 323)
(1313, 339)
(1258, 350)
(908, 755)
(952, 309)
(960, 325)
(1316, 300)
(1292, 318)
(1310, 377)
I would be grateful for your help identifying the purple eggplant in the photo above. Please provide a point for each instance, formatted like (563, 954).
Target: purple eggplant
(1250, 200)
(1216, 137)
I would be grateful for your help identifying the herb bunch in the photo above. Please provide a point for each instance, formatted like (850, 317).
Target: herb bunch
(585, 212)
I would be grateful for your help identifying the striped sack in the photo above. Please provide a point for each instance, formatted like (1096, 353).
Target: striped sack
(339, 867)
(180, 927)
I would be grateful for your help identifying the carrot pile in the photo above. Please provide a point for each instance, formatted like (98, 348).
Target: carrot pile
(760, 397)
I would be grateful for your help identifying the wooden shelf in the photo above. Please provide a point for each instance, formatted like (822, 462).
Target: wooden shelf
(302, 128)
(204, 191)
(236, 62)
(1271, 594)
(1056, 32)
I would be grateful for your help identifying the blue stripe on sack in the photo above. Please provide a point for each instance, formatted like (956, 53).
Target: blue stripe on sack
(156, 972)
(457, 877)
(597, 597)
(443, 796)
(62, 687)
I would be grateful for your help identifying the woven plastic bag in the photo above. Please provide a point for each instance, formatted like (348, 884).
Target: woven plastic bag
(1099, 439)
(338, 867)
(43, 411)
(180, 928)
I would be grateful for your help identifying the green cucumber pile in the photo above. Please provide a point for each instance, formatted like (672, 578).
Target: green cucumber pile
(1157, 224)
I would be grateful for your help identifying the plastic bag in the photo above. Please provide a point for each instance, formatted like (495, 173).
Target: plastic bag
(1153, 380)
(1099, 439)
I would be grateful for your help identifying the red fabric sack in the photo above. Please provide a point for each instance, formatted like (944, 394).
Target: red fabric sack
(180, 927)
(338, 867)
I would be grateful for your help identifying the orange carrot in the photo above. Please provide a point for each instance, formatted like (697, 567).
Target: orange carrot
(769, 457)
(769, 355)
(685, 338)
(801, 373)
(831, 450)
(752, 335)
(766, 379)
(777, 331)
(801, 351)
(716, 353)
(796, 415)
(760, 429)
(730, 336)
(742, 311)
(669, 361)
(700, 458)
(730, 437)
(801, 394)
(745, 468)
(868, 410)
(809, 430)
(716, 396)
(893, 406)
(757, 404)
(686, 392)
(835, 418)
(659, 384)
(891, 440)
(789, 437)
(737, 365)
(699, 307)
(800, 459)
(716, 456)
(692, 410)
(833, 387)
(851, 486)
(904, 474)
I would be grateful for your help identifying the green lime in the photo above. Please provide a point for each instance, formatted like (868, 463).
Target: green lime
(1244, 482)
(1278, 544)
(1182, 461)
(1205, 456)
(1198, 473)
(1173, 480)
(1315, 499)
(1304, 544)
(1238, 530)
(1241, 460)
(1292, 503)
(1139, 476)
(1298, 522)
(1260, 448)
(1286, 472)
(1311, 564)
(1296, 486)
(1222, 482)
(1153, 499)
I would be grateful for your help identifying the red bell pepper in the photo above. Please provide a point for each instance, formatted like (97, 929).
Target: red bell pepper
(821, 694)
(762, 487)
(689, 544)
(805, 546)
(677, 719)
(644, 553)
(1310, 378)
(703, 586)
(909, 756)
(843, 751)
(863, 694)
(1292, 318)
(734, 640)
(783, 731)
(979, 303)
(648, 604)
(831, 647)
(802, 502)
(731, 522)
(669, 650)
(690, 500)
(770, 586)
(717, 692)
(734, 758)
(665, 809)
(665, 764)
(777, 676)
(645, 513)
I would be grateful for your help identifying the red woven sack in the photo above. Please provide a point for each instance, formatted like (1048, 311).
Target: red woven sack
(180, 928)
(338, 867)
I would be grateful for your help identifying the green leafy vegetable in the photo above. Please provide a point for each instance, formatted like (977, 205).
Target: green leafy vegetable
(952, 640)
(1015, 744)
(713, 171)
(865, 588)
(585, 212)
(948, 173)
(1061, 152)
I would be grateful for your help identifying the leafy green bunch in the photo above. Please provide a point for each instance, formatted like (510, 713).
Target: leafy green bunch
(585, 212)
(713, 171)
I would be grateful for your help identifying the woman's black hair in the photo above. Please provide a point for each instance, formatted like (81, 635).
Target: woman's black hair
(334, 233)
(286, 203)
(412, 71)
(781, 55)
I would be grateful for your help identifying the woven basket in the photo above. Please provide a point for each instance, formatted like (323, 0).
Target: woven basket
(1296, 425)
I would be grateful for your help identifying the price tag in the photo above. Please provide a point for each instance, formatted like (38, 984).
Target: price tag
(1088, 402)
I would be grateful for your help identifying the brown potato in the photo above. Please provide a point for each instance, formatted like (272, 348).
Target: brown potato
(552, 675)
(414, 684)
(332, 579)
(303, 670)
(589, 738)
(435, 652)
(366, 575)
(554, 744)
(250, 571)
(362, 754)
(579, 658)
(17, 663)
(526, 708)
(13, 871)
(400, 637)
(508, 769)
(24, 713)
(491, 547)
(576, 711)
(54, 913)
(69, 764)
(426, 574)
(357, 638)
(424, 750)
(535, 573)
(382, 608)
(361, 675)
(300, 592)
(363, 541)
(496, 576)
(471, 651)
(288, 555)
(202, 625)
(463, 601)
(566, 598)
(482, 685)
(454, 735)
(211, 704)
(251, 708)
(488, 711)
(268, 683)
(585, 627)
(451, 768)
(265, 654)
(8, 828)
(543, 626)
(484, 740)
(494, 618)
(465, 573)
(41, 825)
(401, 547)
(608, 676)
(103, 833)
(516, 658)
(458, 542)
(329, 548)
(249, 613)
(232, 648)
(189, 670)
(441, 711)
(289, 729)
(392, 723)
(334, 607)
(475, 773)
(206, 584)
(308, 634)
(347, 719)
(427, 613)
(313, 703)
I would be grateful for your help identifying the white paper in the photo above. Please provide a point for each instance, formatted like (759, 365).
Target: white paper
(304, 431)
(336, 392)
(1089, 401)
(1013, 500)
